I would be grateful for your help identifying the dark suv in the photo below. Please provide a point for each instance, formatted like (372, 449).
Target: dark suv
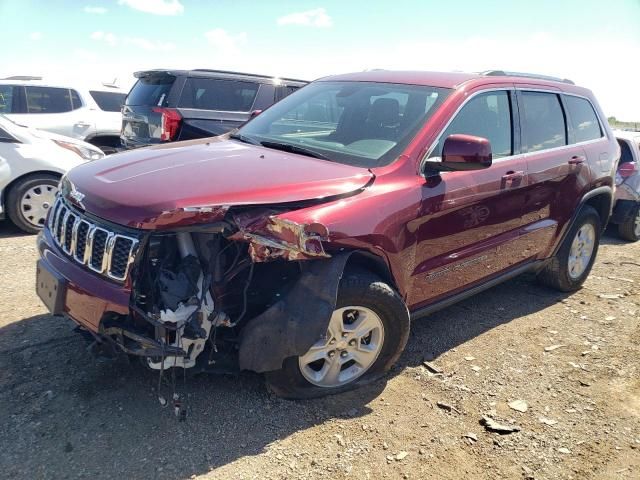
(166, 106)
(303, 244)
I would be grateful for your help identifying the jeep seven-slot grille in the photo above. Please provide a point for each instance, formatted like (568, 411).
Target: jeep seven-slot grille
(95, 246)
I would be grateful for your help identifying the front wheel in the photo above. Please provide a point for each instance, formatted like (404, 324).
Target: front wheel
(570, 266)
(630, 230)
(29, 201)
(366, 334)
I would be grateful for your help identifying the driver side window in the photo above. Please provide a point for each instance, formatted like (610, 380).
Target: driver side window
(487, 115)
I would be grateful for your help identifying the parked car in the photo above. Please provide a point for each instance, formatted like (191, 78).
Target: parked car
(88, 113)
(170, 105)
(31, 163)
(304, 243)
(626, 212)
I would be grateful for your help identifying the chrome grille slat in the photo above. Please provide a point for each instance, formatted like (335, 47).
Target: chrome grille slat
(101, 250)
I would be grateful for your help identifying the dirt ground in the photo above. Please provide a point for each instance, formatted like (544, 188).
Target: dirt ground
(573, 359)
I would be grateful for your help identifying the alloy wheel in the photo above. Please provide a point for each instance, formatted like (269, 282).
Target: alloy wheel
(581, 250)
(350, 347)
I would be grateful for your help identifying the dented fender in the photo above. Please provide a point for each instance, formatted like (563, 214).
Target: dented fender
(292, 325)
(271, 237)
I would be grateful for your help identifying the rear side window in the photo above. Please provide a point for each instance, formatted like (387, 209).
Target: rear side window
(625, 152)
(48, 100)
(108, 101)
(75, 100)
(584, 122)
(211, 94)
(543, 122)
(487, 115)
(285, 91)
(151, 91)
(7, 99)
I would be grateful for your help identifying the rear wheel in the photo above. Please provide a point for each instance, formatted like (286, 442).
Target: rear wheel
(366, 334)
(630, 230)
(570, 267)
(29, 201)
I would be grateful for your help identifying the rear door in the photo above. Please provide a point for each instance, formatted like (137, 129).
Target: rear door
(108, 116)
(57, 110)
(558, 167)
(142, 112)
(212, 106)
(469, 226)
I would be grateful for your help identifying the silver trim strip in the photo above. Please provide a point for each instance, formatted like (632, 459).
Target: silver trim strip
(62, 213)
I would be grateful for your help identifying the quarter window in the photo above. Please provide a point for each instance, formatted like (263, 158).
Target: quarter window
(7, 99)
(108, 101)
(487, 115)
(225, 95)
(583, 119)
(48, 100)
(543, 122)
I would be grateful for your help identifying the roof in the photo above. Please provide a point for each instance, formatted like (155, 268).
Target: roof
(203, 72)
(432, 79)
(43, 82)
(452, 79)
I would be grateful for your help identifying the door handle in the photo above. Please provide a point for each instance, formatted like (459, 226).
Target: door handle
(511, 177)
(577, 160)
(82, 124)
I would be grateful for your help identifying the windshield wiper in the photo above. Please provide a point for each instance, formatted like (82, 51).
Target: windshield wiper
(287, 147)
(243, 139)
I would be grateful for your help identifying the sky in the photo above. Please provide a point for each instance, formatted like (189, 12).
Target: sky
(593, 42)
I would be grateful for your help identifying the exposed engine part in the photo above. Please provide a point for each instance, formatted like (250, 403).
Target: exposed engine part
(194, 311)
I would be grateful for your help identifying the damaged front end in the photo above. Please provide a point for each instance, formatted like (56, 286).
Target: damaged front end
(244, 292)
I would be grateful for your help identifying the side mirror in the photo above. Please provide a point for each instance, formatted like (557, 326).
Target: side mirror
(462, 152)
(254, 114)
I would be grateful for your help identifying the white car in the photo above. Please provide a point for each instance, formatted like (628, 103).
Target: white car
(31, 164)
(91, 114)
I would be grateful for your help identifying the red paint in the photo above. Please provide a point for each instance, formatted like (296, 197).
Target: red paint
(431, 232)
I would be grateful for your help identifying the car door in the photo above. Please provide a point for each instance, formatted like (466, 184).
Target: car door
(57, 110)
(469, 224)
(558, 168)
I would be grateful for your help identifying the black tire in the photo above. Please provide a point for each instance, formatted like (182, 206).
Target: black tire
(17, 216)
(358, 289)
(556, 273)
(627, 229)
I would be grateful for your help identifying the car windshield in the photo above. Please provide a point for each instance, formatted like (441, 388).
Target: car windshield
(359, 123)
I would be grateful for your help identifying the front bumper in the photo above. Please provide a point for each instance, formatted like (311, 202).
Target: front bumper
(88, 298)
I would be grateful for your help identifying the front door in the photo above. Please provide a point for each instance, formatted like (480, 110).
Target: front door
(469, 225)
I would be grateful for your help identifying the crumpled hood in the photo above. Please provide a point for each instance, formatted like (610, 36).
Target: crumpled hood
(147, 188)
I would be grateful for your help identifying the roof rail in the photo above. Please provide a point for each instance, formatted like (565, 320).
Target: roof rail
(22, 77)
(504, 73)
(257, 75)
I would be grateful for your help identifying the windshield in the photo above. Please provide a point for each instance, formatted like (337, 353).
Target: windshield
(359, 123)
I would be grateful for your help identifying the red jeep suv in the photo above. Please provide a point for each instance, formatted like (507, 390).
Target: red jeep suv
(304, 243)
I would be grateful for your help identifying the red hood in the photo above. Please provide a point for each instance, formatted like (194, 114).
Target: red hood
(139, 187)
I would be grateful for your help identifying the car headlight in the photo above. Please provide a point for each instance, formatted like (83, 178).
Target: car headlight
(84, 152)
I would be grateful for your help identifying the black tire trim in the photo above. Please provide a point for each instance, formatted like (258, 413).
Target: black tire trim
(555, 273)
(581, 205)
(355, 288)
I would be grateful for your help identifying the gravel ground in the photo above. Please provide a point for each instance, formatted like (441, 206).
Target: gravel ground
(571, 361)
